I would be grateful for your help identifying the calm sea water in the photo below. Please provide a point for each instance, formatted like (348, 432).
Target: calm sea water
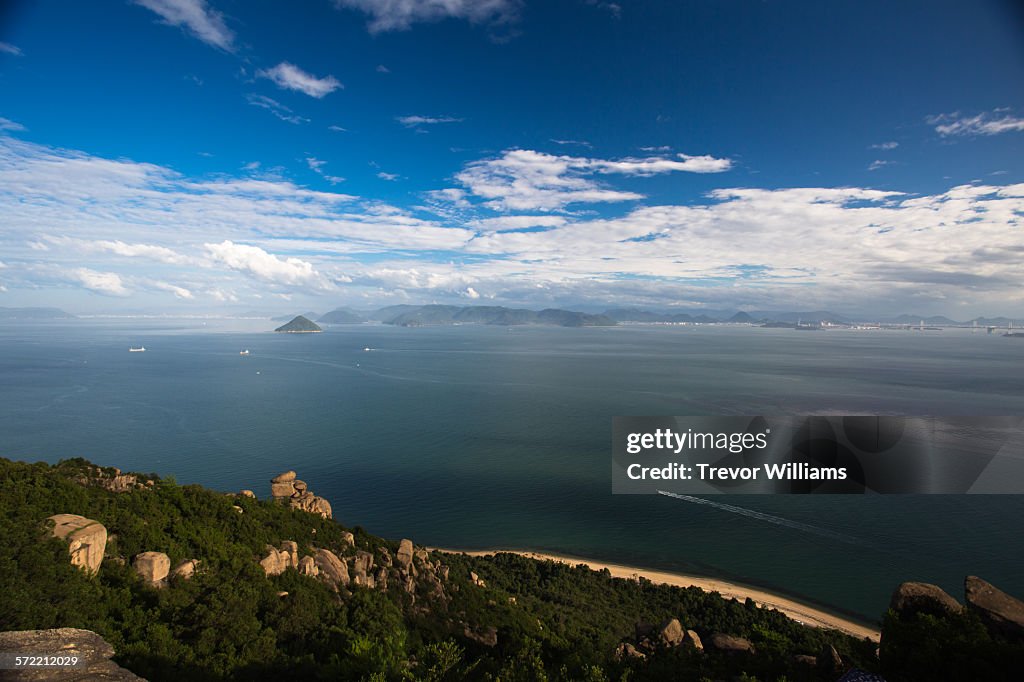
(481, 437)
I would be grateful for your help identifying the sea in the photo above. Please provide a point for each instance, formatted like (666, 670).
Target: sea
(482, 437)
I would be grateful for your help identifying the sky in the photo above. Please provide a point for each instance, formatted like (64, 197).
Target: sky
(204, 156)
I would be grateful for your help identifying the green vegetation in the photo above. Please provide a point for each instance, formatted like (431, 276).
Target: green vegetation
(552, 621)
(299, 325)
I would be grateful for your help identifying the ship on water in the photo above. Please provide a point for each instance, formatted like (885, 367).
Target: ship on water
(244, 352)
(140, 349)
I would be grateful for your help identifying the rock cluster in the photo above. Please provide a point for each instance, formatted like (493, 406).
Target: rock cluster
(410, 569)
(85, 644)
(913, 597)
(87, 539)
(115, 482)
(648, 639)
(287, 487)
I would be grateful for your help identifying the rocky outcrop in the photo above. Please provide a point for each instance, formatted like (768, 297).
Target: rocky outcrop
(348, 539)
(404, 556)
(671, 633)
(286, 487)
(247, 493)
(999, 611)
(87, 539)
(152, 567)
(488, 636)
(85, 644)
(912, 597)
(112, 479)
(731, 644)
(694, 639)
(626, 650)
(184, 570)
(830, 658)
(276, 561)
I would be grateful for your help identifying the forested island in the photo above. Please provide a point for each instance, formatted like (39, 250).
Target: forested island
(188, 583)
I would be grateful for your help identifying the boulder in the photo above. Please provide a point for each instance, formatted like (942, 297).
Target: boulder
(999, 611)
(804, 659)
(248, 493)
(671, 633)
(731, 644)
(185, 569)
(286, 477)
(291, 548)
(382, 578)
(694, 639)
(348, 538)
(87, 540)
(912, 597)
(362, 563)
(405, 552)
(84, 644)
(153, 567)
(281, 490)
(275, 562)
(300, 486)
(307, 566)
(331, 569)
(830, 658)
(312, 504)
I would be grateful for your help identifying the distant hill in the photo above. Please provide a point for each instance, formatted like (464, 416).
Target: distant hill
(299, 325)
(647, 316)
(341, 316)
(309, 314)
(741, 318)
(916, 319)
(805, 316)
(34, 314)
(431, 315)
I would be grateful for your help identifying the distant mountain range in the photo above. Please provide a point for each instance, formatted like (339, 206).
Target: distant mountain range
(34, 314)
(299, 325)
(417, 316)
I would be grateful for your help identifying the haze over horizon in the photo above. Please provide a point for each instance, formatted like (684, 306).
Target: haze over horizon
(191, 156)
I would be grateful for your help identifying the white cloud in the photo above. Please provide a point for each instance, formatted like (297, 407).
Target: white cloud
(337, 129)
(316, 165)
(398, 15)
(383, 69)
(290, 77)
(106, 283)
(522, 179)
(195, 16)
(879, 163)
(276, 108)
(8, 124)
(10, 49)
(517, 222)
(255, 261)
(989, 123)
(179, 292)
(885, 146)
(390, 177)
(413, 121)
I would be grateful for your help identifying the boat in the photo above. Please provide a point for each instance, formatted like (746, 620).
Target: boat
(367, 349)
(140, 349)
(244, 352)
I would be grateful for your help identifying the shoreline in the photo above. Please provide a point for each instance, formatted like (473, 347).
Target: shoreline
(802, 613)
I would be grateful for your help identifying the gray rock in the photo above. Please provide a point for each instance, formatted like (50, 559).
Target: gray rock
(282, 490)
(185, 569)
(348, 538)
(275, 562)
(286, 477)
(307, 566)
(831, 658)
(248, 493)
(693, 638)
(627, 650)
(65, 642)
(913, 597)
(998, 610)
(87, 540)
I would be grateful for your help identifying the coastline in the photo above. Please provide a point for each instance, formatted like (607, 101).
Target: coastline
(800, 612)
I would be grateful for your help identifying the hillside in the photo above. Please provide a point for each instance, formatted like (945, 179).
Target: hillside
(299, 325)
(262, 589)
(430, 315)
(34, 314)
(341, 316)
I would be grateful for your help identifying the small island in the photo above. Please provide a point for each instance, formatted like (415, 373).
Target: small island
(299, 325)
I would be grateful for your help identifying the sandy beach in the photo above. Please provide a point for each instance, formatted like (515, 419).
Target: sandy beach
(808, 615)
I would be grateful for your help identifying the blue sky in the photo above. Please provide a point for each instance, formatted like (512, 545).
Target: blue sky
(196, 156)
